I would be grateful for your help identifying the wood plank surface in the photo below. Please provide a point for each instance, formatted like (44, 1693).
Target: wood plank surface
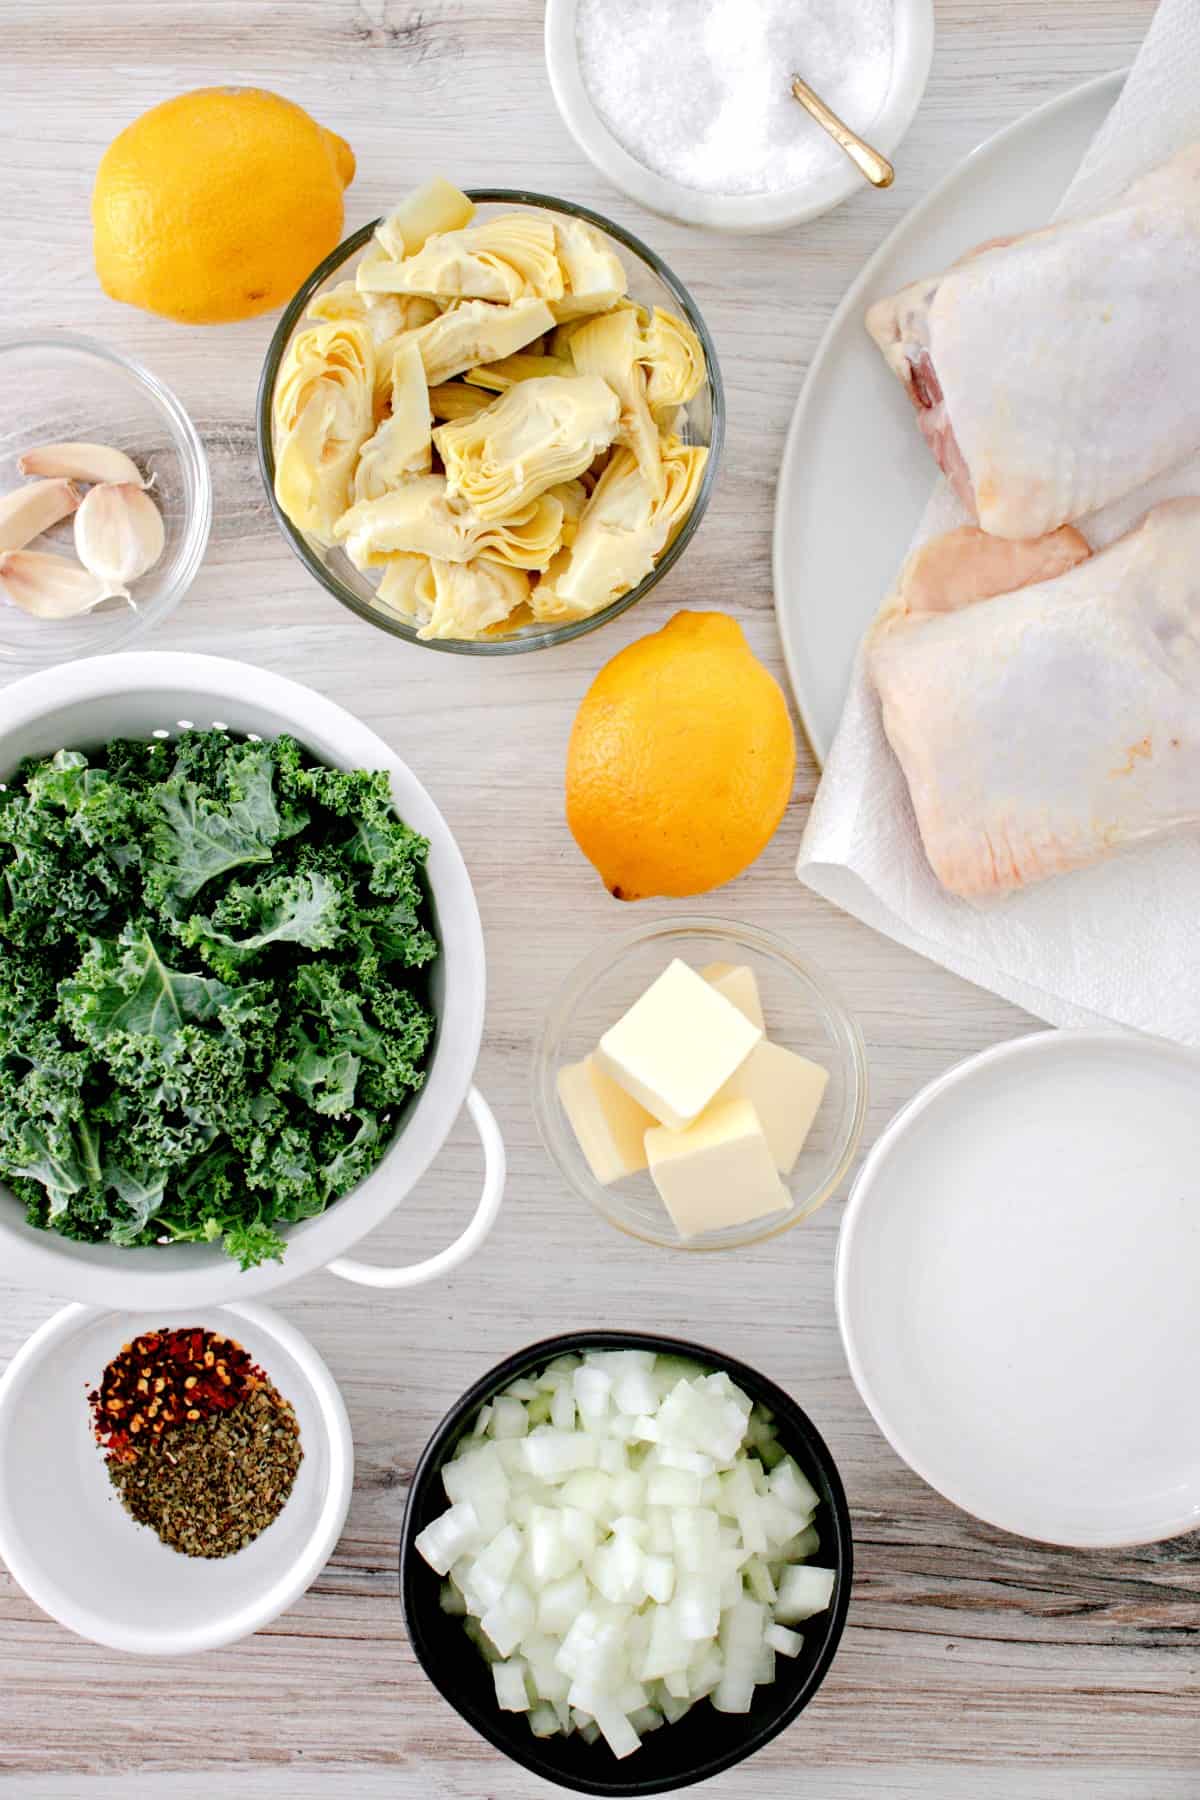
(974, 1664)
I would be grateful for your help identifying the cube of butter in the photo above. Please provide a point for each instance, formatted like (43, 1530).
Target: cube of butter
(785, 1091)
(718, 1172)
(610, 1125)
(677, 1046)
(737, 982)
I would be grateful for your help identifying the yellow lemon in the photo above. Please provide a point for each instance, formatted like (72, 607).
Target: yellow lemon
(217, 204)
(681, 761)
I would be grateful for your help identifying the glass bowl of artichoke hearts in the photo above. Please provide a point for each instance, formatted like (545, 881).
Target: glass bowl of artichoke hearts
(490, 422)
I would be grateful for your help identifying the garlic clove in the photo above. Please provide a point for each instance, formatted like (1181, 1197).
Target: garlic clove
(49, 587)
(34, 509)
(81, 462)
(118, 534)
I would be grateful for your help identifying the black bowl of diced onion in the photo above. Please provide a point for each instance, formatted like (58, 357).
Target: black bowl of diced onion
(771, 1654)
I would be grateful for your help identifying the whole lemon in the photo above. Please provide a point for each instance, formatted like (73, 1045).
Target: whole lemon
(681, 761)
(217, 204)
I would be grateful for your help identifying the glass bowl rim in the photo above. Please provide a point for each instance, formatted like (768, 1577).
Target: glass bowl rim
(839, 1019)
(198, 497)
(560, 634)
(765, 1391)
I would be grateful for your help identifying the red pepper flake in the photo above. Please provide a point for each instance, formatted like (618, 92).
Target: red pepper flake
(193, 1374)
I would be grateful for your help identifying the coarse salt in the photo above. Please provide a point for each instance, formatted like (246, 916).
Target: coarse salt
(699, 91)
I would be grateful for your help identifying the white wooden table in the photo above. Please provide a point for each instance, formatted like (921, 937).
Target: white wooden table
(973, 1664)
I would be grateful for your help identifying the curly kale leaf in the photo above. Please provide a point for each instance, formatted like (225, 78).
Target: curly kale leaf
(198, 836)
(127, 987)
(287, 909)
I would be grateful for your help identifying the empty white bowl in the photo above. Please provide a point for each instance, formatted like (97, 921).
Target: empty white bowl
(777, 207)
(1016, 1287)
(74, 1549)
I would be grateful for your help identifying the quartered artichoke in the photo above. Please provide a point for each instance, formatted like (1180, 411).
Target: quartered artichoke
(436, 207)
(402, 444)
(450, 599)
(471, 332)
(420, 515)
(609, 346)
(323, 413)
(621, 534)
(594, 276)
(505, 259)
(673, 359)
(538, 433)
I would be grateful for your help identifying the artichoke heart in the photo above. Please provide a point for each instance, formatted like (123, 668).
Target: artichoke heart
(673, 359)
(322, 414)
(621, 535)
(474, 332)
(435, 207)
(406, 586)
(402, 444)
(594, 276)
(573, 497)
(608, 346)
(504, 259)
(387, 314)
(454, 400)
(537, 434)
(421, 517)
(453, 600)
(523, 366)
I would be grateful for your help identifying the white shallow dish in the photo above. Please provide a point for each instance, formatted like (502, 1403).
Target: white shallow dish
(82, 705)
(69, 1543)
(1016, 1287)
(856, 475)
(772, 211)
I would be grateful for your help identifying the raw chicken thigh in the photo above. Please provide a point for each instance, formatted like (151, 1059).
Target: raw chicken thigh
(1042, 728)
(1057, 372)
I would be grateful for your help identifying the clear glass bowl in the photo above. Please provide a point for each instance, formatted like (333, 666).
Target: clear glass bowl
(651, 283)
(62, 388)
(803, 1013)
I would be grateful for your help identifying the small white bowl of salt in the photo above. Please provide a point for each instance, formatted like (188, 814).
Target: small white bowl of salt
(687, 105)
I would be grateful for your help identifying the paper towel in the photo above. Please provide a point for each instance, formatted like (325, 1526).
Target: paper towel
(1118, 944)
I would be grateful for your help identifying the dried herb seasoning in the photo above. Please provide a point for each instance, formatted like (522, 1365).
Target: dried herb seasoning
(199, 1443)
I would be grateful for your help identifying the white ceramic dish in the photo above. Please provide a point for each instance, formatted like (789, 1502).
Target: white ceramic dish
(69, 1543)
(856, 475)
(771, 211)
(143, 693)
(1016, 1287)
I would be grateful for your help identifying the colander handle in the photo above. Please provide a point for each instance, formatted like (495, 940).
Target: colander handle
(495, 1169)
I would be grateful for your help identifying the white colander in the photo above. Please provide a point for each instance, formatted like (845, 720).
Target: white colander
(82, 705)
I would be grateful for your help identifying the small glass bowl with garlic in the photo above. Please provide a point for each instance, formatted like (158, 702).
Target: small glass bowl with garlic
(587, 477)
(64, 390)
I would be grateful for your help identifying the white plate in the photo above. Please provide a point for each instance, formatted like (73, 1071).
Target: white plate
(856, 475)
(772, 211)
(1016, 1287)
(70, 1544)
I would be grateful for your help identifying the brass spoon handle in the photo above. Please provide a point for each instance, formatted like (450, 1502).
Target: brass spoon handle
(876, 167)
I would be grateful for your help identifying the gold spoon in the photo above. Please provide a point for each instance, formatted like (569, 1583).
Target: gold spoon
(876, 167)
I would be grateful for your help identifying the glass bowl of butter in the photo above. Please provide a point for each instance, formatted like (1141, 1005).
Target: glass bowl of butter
(700, 1085)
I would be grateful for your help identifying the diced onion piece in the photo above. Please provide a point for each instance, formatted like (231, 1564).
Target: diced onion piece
(507, 1621)
(803, 1591)
(509, 1418)
(787, 1643)
(446, 1539)
(511, 1692)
